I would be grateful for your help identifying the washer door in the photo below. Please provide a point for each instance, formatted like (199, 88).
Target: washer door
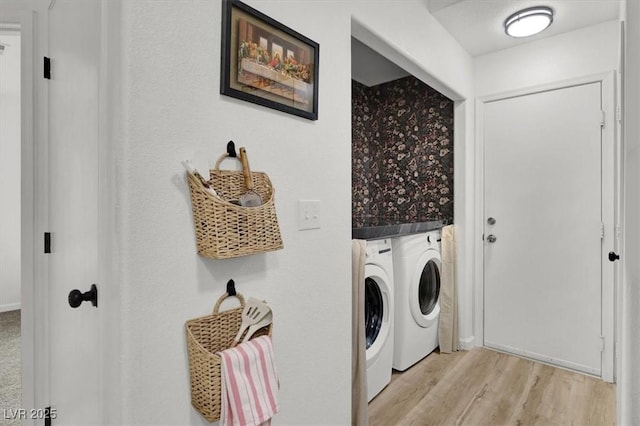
(377, 310)
(425, 289)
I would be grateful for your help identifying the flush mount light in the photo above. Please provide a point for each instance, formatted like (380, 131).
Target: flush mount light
(528, 22)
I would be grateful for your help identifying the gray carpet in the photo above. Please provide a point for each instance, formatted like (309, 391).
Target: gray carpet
(10, 381)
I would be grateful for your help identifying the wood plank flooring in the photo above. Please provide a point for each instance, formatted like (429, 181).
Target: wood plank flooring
(484, 387)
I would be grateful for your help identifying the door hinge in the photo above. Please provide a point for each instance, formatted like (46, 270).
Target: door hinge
(618, 113)
(47, 242)
(601, 343)
(602, 118)
(47, 68)
(601, 230)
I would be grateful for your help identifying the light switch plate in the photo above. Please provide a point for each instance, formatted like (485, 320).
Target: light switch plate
(308, 214)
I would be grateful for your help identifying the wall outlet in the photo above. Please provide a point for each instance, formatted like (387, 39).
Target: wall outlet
(308, 214)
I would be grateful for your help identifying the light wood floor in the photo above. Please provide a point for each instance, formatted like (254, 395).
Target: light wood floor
(484, 387)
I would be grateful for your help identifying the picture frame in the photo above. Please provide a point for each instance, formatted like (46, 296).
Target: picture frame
(267, 63)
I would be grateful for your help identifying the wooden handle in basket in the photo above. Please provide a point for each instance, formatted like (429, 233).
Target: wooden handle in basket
(216, 308)
(246, 171)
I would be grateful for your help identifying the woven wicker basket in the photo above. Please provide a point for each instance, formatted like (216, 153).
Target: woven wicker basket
(224, 229)
(205, 337)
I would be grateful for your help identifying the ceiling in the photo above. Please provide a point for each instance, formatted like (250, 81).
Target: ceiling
(370, 68)
(477, 24)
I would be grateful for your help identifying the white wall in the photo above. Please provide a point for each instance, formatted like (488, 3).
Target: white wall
(10, 172)
(166, 107)
(629, 384)
(579, 53)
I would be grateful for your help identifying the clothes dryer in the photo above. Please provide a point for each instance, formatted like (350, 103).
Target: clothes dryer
(379, 314)
(417, 271)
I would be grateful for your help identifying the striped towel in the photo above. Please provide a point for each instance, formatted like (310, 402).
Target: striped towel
(249, 384)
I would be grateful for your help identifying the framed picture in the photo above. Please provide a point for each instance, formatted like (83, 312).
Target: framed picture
(268, 63)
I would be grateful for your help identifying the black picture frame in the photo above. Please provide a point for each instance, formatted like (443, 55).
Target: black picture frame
(268, 63)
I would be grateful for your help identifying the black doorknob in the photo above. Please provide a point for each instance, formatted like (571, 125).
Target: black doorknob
(76, 297)
(613, 256)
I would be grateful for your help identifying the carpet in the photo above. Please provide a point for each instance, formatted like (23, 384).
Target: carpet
(10, 366)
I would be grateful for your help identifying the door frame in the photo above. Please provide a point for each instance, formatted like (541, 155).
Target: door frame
(610, 179)
(34, 213)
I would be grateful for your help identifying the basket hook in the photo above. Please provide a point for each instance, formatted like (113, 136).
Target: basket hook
(231, 149)
(231, 288)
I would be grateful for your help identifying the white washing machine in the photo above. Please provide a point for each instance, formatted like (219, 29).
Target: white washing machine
(379, 315)
(417, 269)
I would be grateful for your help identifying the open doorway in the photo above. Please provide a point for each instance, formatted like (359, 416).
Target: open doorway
(402, 184)
(10, 216)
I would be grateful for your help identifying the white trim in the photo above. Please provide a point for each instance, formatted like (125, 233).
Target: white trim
(561, 84)
(109, 119)
(10, 307)
(41, 211)
(466, 344)
(610, 176)
(544, 359)
(620, 185)
(609, 196)
(464, 212)
(478, 246)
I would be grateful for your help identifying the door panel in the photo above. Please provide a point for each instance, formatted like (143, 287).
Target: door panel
(543, 274)
(74, 30)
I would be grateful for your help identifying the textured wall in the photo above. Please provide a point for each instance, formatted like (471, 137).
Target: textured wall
(171, 110)
(629, 378)
(402, 153)
(578, 53)
(174, 111)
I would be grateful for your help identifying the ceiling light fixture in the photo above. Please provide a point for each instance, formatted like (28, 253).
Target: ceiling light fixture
(528, 22)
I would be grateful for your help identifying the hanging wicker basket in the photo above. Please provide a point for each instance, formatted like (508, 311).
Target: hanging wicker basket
(225, 229)
(205, 337)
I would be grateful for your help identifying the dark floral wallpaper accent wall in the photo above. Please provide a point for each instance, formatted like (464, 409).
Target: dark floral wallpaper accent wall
(402, 153)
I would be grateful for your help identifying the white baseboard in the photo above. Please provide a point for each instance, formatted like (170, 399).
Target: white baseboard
(467, 344)
(545, 359)
(10, 307)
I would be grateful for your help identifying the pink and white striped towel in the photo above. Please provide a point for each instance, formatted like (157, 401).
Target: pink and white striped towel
(249, 384)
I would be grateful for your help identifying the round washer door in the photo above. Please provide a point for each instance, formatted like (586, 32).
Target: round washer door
(424, 294)
(377, 310)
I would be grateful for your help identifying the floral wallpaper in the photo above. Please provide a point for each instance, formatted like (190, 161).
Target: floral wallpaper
(402, 153)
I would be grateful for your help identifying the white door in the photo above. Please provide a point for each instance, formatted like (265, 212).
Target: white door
(543, 254)
(74, 47)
